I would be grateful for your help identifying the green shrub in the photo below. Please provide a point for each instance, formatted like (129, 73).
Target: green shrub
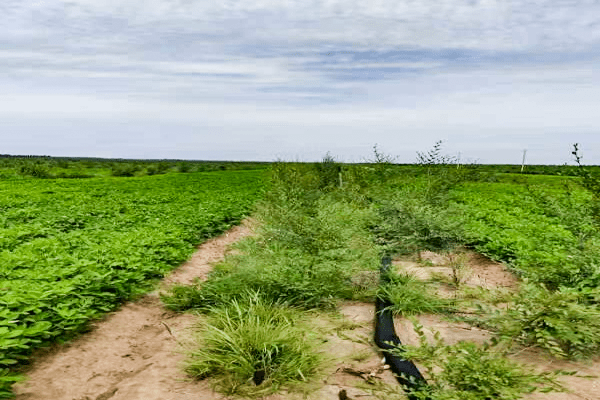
(35, 169)
(309, 246)
(468, 372)
(408, 224)
(184, 167)
(410, 296)
(124, 169)
(559, 322)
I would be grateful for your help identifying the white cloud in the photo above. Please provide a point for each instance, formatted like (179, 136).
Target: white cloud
(508, 72)
(484, 24)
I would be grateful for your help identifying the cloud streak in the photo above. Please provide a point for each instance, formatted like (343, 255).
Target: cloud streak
(480, 68)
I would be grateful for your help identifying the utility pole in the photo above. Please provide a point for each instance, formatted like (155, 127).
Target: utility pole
(523, 163)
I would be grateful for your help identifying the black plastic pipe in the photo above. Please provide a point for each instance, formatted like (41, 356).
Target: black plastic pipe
(406, 372)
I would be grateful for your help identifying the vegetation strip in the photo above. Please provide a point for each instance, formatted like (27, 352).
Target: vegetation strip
(406, 372)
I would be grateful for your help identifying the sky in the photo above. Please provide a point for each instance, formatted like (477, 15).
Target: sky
(292, 80)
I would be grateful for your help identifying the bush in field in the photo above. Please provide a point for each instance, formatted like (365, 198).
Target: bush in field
(408, 224)
(469, 372)
(124, 169)
(410, 296)
(590, 180)
(184, 167)
(328, 172)
(252, 338)
(36, 169)
(561, 322)
(308, 263)
(441, 173)
(418, 215)
(312, 240)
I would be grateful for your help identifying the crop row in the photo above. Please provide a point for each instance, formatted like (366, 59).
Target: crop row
(73, 249)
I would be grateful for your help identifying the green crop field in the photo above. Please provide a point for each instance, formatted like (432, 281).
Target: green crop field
(71, 249)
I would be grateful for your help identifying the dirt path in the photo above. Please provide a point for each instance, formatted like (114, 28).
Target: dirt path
(130, 354)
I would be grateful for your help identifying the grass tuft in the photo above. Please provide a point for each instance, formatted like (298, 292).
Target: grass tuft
(253, 337)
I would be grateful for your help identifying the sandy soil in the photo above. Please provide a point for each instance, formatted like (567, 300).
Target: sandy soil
(490, 274)
(131, 354)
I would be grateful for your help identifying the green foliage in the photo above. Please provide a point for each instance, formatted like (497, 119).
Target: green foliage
(251, 334)
(308, 264)
(159, 168)
(434, 156)
(44, 167)
(415, 212)
(411, 296)
(441, 173)
(328, 172)
(589, 178)
(407, 224)
(467, 371)
(184, 167)
(71, 250)
(125, 169)
(533, 229)
(312, 241)
(35, 169)
(560, 322)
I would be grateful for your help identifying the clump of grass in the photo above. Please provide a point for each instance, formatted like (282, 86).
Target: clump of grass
(491, 296)
(410, 296)
(253, 337)
(467, 371)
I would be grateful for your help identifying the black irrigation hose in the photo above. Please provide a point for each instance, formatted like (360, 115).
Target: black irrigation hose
(406, 372)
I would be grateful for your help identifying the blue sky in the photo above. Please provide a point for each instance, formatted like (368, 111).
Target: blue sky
(262, 80)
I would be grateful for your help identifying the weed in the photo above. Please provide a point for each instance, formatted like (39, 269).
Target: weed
(467, 371)
(461, 272)
(253, 334)
(559, 322)
(410, 296)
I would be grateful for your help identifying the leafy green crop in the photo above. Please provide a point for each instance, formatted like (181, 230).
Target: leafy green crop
(542, 231)
(73, 249)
